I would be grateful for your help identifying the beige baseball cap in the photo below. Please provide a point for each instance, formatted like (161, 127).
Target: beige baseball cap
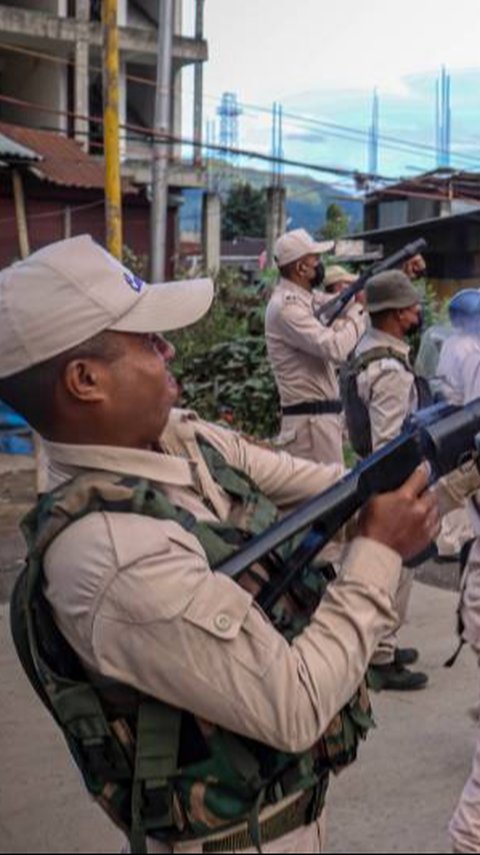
(295, 244)
(336, 273)
(69, 291)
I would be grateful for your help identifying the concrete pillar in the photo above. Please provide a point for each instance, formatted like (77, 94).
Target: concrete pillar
(122, 108)
(122, 18)
(176, 149)
(198, 86)
(177, 101)
(276, 218)
(122, 13)
(81, 83)
(211, 232)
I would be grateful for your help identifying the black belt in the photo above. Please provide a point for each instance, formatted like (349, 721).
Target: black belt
(313, 408)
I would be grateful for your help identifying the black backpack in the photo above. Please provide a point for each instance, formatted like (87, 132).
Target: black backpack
(357, 416)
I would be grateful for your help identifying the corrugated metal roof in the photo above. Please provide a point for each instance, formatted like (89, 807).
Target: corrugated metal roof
(418, 225)
(9, 149)
(62, 160)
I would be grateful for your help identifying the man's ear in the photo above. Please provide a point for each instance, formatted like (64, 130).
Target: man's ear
(84, 380)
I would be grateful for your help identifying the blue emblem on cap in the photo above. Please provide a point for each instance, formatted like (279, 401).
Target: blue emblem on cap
(134, 281)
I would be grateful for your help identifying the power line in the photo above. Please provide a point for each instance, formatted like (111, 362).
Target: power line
(151, 134)
(334, 129)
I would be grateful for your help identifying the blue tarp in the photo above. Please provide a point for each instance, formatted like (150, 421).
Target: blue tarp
(15, 434)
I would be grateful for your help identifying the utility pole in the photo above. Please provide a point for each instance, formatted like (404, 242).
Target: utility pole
(161, 148)
(113, 194)
(198, 87)
(276, 195)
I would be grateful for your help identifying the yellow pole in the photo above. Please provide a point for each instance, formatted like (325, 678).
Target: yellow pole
(113, 195)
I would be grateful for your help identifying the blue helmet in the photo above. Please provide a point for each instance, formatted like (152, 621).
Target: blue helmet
(464, 308)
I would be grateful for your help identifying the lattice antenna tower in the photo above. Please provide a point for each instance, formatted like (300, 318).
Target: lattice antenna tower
(229, 112)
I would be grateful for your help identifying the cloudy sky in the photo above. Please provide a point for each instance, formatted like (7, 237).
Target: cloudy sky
(323, 60)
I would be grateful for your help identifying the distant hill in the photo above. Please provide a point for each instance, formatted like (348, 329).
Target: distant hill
(307, 202)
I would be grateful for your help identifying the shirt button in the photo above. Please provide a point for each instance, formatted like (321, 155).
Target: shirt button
(223, 622)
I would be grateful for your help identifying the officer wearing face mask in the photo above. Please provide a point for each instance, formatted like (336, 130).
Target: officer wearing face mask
(382, 392)
(304, 354)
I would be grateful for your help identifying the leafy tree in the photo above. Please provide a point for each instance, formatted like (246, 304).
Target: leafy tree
(336, 222)
(245, 212)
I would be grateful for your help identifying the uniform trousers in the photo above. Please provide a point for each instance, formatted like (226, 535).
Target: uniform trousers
(315, 438)
(456, 530)
(464, 826)
(385, 650)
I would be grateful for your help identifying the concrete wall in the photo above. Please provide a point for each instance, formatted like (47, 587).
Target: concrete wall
(32, 79)
(422, 209)
(52, 7)
(392, 214)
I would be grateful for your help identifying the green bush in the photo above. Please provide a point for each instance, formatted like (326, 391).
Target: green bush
(222, 363)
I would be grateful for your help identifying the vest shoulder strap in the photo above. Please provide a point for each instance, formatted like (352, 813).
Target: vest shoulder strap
(359, 363)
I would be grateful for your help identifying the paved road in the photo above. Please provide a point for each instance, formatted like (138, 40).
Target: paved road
(397, 797)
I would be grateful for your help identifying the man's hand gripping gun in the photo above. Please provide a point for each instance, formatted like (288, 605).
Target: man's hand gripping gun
(329, 312)
(444, 436)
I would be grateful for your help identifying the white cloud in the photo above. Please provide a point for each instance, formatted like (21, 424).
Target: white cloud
(266, 50)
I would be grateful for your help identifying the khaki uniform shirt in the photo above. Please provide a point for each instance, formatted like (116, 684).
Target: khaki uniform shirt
(304, 354)
(386, 388)
(137, 600)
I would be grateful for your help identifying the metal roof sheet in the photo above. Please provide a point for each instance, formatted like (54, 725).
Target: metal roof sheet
(10, 149)
(418, 225)
(62, 160)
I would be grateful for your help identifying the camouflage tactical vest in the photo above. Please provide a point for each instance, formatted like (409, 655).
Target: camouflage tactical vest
(357, 416)
(155, 769)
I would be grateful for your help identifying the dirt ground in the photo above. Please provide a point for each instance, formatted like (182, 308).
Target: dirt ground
(17, 495)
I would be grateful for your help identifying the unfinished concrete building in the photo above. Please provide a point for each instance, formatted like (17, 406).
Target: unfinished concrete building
(51, 79)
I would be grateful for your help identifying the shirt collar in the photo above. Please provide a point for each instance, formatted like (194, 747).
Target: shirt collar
(383, 338)
(65, 461)
(286, 285)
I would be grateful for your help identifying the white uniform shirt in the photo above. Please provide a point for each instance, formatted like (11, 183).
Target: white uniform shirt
(458, 368)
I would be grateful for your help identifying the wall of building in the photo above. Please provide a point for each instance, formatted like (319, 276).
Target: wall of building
(422, 209)
(32, 79)
(452, 254)
(392, 213)
(54, 213)
(52, 7)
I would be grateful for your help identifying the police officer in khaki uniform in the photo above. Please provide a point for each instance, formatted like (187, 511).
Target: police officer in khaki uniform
(304, 354)
(337, 279)
(459, 371)
(82, 357)
(386, 385)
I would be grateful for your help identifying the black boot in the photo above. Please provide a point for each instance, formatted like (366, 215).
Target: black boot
(396, 677)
